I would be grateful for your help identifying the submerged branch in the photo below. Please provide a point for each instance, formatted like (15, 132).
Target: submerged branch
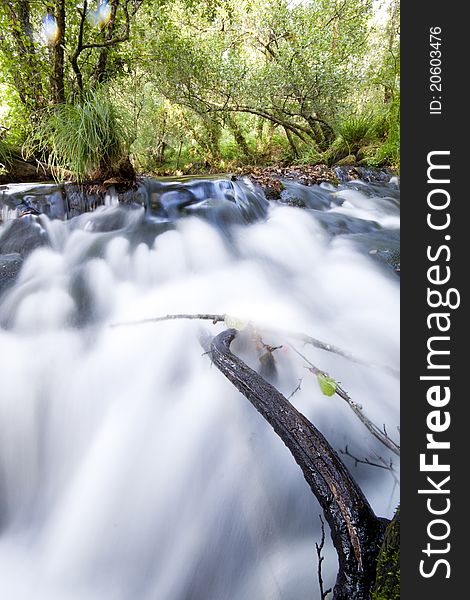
(356, 531)
(378, 433)
(306, 339)
(198, 317)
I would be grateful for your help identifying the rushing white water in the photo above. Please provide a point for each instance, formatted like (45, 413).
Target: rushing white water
(132, 470)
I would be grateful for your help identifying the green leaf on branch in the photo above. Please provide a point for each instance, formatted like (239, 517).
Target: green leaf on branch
(235, 323)
(327, 384)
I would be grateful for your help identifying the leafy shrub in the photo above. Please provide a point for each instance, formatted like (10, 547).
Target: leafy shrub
(86, 138)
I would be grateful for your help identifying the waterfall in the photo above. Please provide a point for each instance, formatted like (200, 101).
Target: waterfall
(129, 468)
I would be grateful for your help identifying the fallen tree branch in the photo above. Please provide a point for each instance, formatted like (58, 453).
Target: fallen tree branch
(355, 530)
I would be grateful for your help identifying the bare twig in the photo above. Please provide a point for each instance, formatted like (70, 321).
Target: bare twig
(372, 427)
(382, 436)
(306, 339)
(387, 465)
(199, 317)
(297, 389)
(107, 43)
(323, 593)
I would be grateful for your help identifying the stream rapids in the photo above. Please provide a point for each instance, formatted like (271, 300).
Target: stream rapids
(129, 468)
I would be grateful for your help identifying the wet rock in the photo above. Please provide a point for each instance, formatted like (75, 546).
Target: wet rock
(20, 171)
(366, 152)
(10, 265)
(22, 236)
(272, 187)
(368, 174)
(273, 179)
(389, 257)
(80, 199)
(371, 174)
(293, 201)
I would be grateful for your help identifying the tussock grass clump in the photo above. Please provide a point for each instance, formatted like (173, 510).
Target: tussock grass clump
(86, 138)
(389, 152)
(372, 135)
(5, 155)
(355, 131)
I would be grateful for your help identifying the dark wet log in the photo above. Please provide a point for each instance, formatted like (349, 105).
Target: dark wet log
(356, 531)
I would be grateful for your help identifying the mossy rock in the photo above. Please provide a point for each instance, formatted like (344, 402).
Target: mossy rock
(387, 583)
(350, 159)
(366, 152)
(21, 171)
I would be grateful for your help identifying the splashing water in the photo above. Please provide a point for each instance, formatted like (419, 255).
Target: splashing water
(129, 468)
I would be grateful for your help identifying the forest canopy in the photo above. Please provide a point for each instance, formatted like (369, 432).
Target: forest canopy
(190, 85)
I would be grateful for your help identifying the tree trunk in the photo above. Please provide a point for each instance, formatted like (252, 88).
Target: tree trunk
(239, 137)
(356, 531)
(290, 139)
(323, 132)
(213, 132)
(58, 56)
(100, 73)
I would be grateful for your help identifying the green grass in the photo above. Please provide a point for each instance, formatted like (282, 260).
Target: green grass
(388, 152)
(357, 130)
(85, 138)
(376, 131)
(5, 155)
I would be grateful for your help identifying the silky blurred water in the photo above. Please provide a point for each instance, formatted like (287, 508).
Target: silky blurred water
(132, 469)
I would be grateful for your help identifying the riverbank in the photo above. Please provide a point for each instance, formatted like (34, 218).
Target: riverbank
(268, 177)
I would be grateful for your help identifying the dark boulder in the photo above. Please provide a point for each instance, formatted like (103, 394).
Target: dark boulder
(21, 171)
(10, 265)
(350, 159)
(22, 236)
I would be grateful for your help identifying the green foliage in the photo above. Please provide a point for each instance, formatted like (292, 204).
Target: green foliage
(387, 586)
(389, 151)
(355, 131)
(327, 384)
(5, 155)
(375, 132)
(235, 323)
(208, 85)
(85, 138)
